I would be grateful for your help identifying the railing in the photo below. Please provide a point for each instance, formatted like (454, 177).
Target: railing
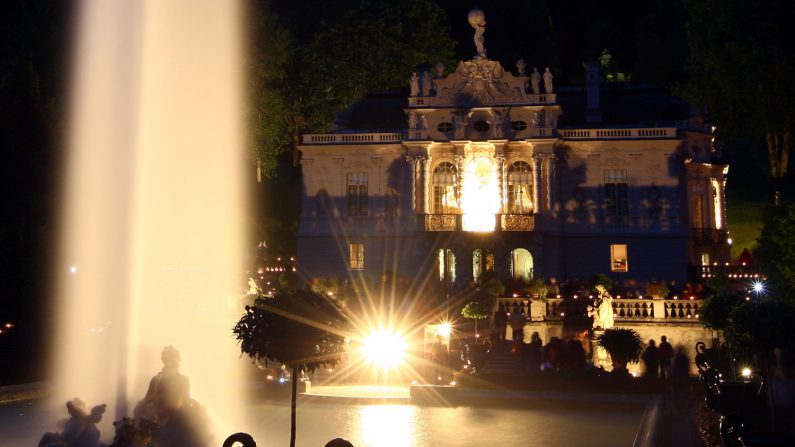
(625, 309)
(517, 222)
(333, 138)
(585, 134)
(441, 222)
(730, 271)
(541, 98)
(709, 236)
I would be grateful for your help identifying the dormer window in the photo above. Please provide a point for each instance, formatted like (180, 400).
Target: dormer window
(444, 127)
(518, 125)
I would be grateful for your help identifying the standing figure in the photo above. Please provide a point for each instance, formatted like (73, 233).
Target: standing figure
(415, 84)
(521, 66)
(535, 81)
(477, 18)
(651, 358)
(666, 355)
(602, 309)
(426, 84)
(548, 81)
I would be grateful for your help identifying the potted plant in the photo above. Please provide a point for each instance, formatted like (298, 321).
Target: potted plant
(537, 288)
(624, 346)
(657, 289)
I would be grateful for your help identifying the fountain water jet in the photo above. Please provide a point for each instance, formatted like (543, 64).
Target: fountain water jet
(152, 236)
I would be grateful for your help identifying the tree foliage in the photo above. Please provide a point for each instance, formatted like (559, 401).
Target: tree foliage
(777, 249)
(759, 327)
(476, 310)
(741, 69)
(717, 309)
(313, 60)
(299, 328)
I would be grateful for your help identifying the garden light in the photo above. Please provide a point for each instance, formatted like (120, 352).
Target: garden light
(384, 348)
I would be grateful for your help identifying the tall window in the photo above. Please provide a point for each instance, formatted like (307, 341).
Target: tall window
(445, 189)
(698, 211)
(357, 193)
(482, 261)
(618, 258)
(520, 188)
(356, 256)
(616, 203)
(445, 265)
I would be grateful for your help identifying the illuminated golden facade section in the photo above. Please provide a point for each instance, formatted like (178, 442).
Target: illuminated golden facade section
(479, 194)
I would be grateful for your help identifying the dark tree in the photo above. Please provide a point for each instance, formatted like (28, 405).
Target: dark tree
(302, 330)
(741, 69)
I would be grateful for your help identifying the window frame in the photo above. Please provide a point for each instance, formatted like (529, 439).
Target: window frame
(356, 191)
(356, 252)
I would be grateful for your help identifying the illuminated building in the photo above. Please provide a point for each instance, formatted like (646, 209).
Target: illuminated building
(482, 169)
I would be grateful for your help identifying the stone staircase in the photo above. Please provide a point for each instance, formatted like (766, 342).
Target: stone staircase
(501, 362)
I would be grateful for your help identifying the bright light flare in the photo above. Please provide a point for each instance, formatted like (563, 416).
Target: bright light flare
(480, 195)
(384, 348)
(746, 372)
(444, 330)
(758, 287)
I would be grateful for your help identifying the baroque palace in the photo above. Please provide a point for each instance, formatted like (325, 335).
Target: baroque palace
(483, 169)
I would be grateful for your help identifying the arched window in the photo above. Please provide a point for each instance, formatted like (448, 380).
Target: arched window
(521, 265)
(445, 265)
(482, 261)
(520, 188)
(445, 189)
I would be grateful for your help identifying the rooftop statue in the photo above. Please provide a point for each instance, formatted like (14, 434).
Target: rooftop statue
(548, 81)
(535, 81)
(477, 18)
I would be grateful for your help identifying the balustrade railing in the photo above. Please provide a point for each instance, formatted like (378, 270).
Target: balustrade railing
(709, 236)
(584, 134)
(332, 138)
(624, 309)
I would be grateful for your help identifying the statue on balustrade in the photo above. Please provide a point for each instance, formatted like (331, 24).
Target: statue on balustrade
(548, 81)
(602, 309)
(415, 85)
(535, 81)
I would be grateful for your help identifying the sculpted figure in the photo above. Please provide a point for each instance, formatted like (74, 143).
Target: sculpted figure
(415, 85)
(477, 18)
(535, 81)
(80, 430)
(426, 84)
(439, 70)
(602, 309)
(548, 81)
(521, 65)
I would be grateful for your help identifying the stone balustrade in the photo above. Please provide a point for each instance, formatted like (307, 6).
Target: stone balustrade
(625, 309)
(588, 134)
(335, 138)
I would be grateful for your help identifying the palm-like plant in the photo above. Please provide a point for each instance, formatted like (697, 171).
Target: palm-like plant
(302, 330)
(624, 346)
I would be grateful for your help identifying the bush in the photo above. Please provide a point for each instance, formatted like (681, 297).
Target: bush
(658, 288)
(537, 287)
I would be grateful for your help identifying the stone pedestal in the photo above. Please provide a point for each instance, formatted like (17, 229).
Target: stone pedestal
(599, 357)
(538, 310)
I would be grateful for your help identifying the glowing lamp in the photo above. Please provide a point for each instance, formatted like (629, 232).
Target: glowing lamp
(444, 329)
(384, 348)
(746, 372)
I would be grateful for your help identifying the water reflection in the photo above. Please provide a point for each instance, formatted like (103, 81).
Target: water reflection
(388, 425)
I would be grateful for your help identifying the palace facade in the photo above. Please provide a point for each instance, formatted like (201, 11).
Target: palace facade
(483, 169)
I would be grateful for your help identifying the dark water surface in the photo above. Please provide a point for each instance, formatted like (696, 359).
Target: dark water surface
(393, 425)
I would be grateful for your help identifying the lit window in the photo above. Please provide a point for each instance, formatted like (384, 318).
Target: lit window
(704, 258)
(356, 256)
(698, 211)
(616, 203)
(445, 265)
(520, 188)
(618, 258)
(445, 189)
(357, 194)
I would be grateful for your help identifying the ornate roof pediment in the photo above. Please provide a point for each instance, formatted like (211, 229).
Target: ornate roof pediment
(480, 82)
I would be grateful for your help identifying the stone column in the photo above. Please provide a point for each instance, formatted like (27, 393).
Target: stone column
(538, 183)
(459, 166)
(426, 183)
(502, 181)
(414, 166)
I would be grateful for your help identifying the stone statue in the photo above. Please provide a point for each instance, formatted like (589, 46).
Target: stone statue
(535, 81)
(80, 430)
(521, 65)
(422, 122)
(548, 81)
(602, 309)
(415, 85)
(460, 121)
(499, 120)
(477, 18)
(439, 70)
(426, 84)
(181, 421)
